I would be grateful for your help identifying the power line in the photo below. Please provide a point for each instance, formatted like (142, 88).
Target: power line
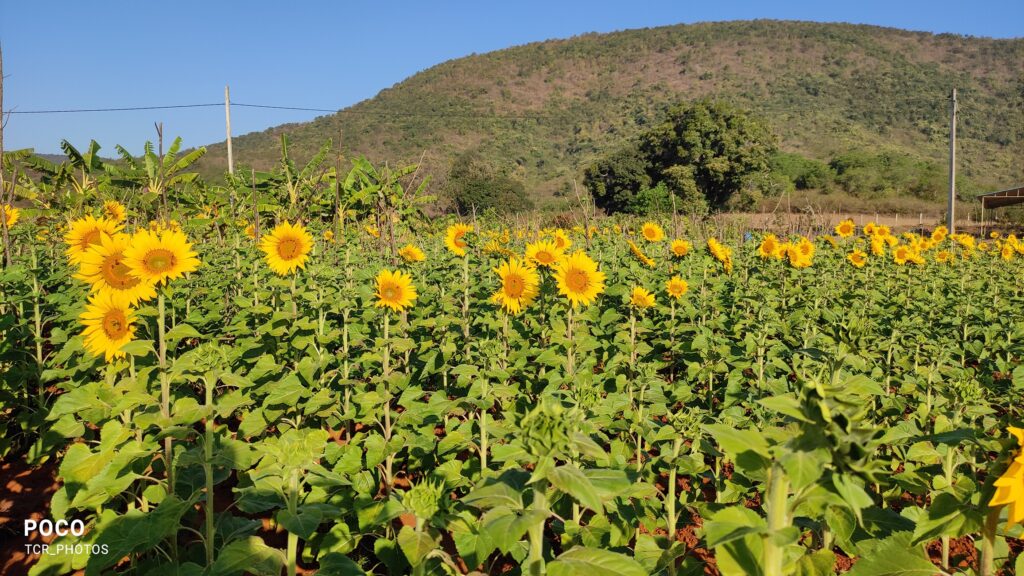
(123, 109)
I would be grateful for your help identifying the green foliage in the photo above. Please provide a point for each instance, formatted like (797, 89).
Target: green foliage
(707, 149)
(473, 184)
(804, 173)
(888, 173)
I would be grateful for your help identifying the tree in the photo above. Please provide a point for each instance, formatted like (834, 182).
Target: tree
(703, 153)
(474, 184)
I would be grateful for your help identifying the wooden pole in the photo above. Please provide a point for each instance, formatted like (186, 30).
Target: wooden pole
(227, 122)
(952, 163)
(3, 186)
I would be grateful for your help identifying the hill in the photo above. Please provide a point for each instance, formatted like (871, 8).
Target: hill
(542, 111)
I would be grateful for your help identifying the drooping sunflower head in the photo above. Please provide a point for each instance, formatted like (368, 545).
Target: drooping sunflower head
(652, 232)
(544, 253)
(1010, 486)
(846, 228)
(104, 269)
(158, 257)
(9, 213)
(411, 253)
(644, 258)
(562, 241)
(676, 287)
(114, 210)
(85, 232)
(454, 238)
(641, 298)
(395, 290)
(680, 248)
(579, 279)
(519, 282)
(858, 258)
(329, 236)
(286, 248)
(250, 231)
(109, 324)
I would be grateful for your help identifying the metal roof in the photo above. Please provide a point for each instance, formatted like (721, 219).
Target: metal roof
(1002, 198)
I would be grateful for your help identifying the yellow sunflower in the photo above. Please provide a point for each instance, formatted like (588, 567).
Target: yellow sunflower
(641, 298)
(372, 231)
(858, 258)
(109, 324)
(85, 232)
(519, 283)
(395, 290)
(943, 256)
(647, 260)
(769, 247)
(114, 210)
(10, 213)
(579, 279)
(846, 228)
(652, 232)
(544, 253)
(250, 231)
(103, 268)
(1010, 486)
(286, 247)
(940, 233)
(453, 238)
(680, 248)
(901, 255)
(329, 236)
(870, 228)
(676, 287)
(158, 257)
(411, 253)
(562, 241)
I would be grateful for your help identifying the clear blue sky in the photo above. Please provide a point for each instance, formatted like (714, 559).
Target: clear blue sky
(99, 54)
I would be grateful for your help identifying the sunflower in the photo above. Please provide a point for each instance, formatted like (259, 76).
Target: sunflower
(519, 282)
(943, 256)
(858, 258)
(329, 236)
(287, 247)
(103, 268)
(158, 257)
(940, 233)
(846, 228)
(680, 248)
(1010, 486)
(562, 241)
(652, 232)
(647, 260)
(579, 279)
(10, 213)
(870, 228)
(114, 210)
(395, 290)
(372, 231)
(676, 287)
(770, 247)
(109, 324)
(411, 253)
(453, 238)
(641, 298)
(1006, 252)
(250, 231)
(85, 232)
(901, 255)
(544, 253)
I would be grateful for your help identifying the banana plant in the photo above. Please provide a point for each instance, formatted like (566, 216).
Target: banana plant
(157, 174)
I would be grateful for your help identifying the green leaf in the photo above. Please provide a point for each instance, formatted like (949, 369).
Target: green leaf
(415, 545)
(494, 493)
(303, 523)
(571, 480)
(181, 331)
(251, 556)
(894, 556)
(582, 561)
(135, 531)
(803, 467)
(335, 564)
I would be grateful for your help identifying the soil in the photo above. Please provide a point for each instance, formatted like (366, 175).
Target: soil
(26, 495)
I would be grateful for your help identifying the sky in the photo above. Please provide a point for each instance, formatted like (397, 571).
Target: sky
(320, 54)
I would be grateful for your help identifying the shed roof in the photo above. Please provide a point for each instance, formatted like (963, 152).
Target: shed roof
(1002, 198)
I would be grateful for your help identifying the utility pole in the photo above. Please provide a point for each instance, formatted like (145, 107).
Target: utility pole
(952, 164)
(227, 117)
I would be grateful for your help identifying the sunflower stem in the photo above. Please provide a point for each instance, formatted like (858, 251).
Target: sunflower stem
(386, 365)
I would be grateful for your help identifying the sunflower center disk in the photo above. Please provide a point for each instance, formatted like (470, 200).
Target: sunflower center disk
(390, 292)
(288, 248)
(115, 325)
(577, 280)
(514, 286)
(159, 260)
(115, 274)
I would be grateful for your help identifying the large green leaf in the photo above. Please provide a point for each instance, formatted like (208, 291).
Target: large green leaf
(582, 561)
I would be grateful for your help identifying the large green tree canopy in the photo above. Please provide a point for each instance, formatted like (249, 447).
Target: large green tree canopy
(703, 153)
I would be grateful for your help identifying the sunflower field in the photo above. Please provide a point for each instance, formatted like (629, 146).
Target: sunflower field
(389, 394)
